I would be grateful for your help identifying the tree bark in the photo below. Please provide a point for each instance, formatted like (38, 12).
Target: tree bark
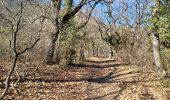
(156, 53)
(52, 45)
(7, 82)
(93, 49)
(111, 52)
(156, 42)
(67, 15)
(157, 56)
(55, 34)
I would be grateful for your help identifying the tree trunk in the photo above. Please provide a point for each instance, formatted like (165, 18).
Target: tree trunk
(82, 56)
(157, 56)
(111, 52)
(97, 51)
(57, 58)
(55, 34)
(7, 82)
(156, 53)
(67, 15)
(93, 48)
(52, 45)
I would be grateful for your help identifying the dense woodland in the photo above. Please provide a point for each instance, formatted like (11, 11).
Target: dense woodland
(84, 49)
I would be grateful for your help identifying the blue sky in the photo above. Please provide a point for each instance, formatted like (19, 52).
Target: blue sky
(117, 9)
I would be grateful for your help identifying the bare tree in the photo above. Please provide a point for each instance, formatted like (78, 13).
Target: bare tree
(109, 32)
(62, 17)
(15, 20)
(156, 40)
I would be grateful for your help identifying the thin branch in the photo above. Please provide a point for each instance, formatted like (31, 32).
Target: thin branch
(28, 48)
(88, 16)
(101, 32)
(100, 29)
(2, 84)
(35, 41)
(10, 43)
(8, 20)
(8, 10)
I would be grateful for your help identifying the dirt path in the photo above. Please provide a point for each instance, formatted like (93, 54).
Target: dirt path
(126, 83)
(96, 79)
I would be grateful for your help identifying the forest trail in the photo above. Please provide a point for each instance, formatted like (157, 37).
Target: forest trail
(125, 82)
(95, 79)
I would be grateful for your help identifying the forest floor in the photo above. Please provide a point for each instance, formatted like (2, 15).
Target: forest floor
(95, 79)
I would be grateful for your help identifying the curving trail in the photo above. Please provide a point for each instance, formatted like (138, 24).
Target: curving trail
(96, 79)
(126, 82)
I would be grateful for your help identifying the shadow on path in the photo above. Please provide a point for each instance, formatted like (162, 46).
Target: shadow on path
(96, 65)
(103, 79)
(102, 61)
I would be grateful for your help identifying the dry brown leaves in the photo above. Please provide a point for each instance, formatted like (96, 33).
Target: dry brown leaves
(99, 79)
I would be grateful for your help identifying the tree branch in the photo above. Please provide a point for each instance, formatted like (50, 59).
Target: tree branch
(29, 47)
(89, 15)
(68, 15)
